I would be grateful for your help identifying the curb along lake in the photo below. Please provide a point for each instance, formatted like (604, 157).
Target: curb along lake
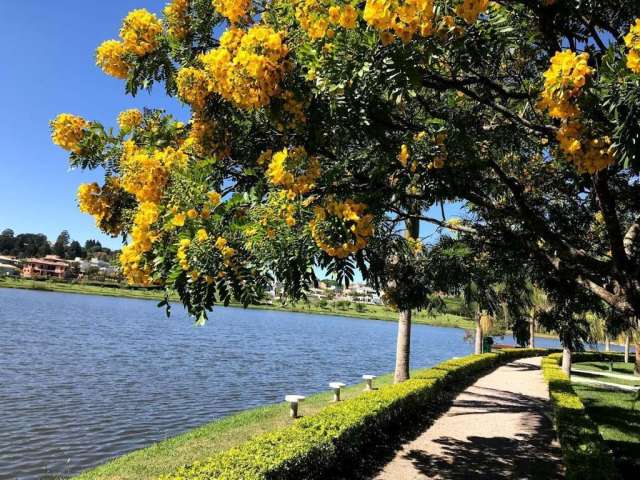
(87, 378)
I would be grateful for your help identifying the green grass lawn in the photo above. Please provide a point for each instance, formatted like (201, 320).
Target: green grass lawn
(203, 442)
(618, 367)
(618, 423)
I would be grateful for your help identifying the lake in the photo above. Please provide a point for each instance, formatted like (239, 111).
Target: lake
(86, 378)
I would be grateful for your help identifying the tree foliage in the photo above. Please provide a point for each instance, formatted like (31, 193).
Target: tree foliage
(320, 127)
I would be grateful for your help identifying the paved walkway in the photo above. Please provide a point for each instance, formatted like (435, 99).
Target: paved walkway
(498, 428)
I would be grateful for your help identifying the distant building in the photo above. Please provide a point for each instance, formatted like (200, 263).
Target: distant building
(50, 266)
(7, 270)
(96, 265)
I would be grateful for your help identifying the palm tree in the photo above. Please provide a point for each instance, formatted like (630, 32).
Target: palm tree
(479, 301)
(539, 302)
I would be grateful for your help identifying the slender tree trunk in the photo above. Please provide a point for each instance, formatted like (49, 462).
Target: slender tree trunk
(566, 361)
(532, 333)
(607, 343)
(478, 342)
(637, 367)
(403, 347)
(626, 348)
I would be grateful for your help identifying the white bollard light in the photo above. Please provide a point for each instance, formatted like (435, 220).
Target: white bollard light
(294, 400)
(369, 382)
(336, 386)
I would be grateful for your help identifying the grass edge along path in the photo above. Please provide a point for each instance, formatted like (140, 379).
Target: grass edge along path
(586, 455)
(303, 448)
(202, 442)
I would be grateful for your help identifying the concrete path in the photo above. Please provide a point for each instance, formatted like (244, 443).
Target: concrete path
(499, 428)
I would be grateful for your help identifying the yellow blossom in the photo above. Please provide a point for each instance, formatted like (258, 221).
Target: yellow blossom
(140, 32)
(111, 58)
(214, 198)
(294, 170)
(201, 235)
(68, 131)
(632, 41)
(129, 119)
(176, 15)
(178, 219)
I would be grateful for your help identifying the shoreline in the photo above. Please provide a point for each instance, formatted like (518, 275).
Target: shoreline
(372, 312)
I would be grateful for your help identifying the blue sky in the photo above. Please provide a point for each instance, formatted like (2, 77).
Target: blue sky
(47, 50)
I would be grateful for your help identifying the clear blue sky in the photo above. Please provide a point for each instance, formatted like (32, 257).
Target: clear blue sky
(47, 49)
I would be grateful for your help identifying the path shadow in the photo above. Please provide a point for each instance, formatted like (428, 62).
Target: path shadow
(382, 449)
(523, 367)
(492, 400)
(491, 458)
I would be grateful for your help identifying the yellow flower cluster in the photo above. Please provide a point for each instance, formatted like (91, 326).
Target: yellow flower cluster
(111, 58)
(206, 139)
(438, 160)
(341, 228)
(226, 251)
(294, 170)
(234, 10)
(140, 31)
(97, 202)
(405, 18)
(319, 18)
(588, 155)
(129, 119)
(563, 83)
(248, 66)
(67, 131)
(145, 174)
(470, 10)
(142, 238)
(632, 41)
(176, 15)
(193, 87)
(182, 254)
(90, 201)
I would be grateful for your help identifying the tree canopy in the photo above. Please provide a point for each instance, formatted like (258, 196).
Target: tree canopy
(320, 126)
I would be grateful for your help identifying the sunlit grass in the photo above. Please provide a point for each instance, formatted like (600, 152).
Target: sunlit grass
(618, 423)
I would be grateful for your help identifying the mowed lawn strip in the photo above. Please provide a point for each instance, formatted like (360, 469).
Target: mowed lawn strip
(603, 367)
(203, 442)
(618, 423)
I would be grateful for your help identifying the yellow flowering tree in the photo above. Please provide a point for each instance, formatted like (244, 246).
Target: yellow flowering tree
(322, 131)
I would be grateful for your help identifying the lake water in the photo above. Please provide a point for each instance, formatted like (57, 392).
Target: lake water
(84, 378)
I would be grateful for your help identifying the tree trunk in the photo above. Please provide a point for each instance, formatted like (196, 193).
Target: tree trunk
(566, 361)
(478, 343)
(607, 343)
(637, 367)
(403, 344)
(532, 333)
(403, 347)
(626, 348)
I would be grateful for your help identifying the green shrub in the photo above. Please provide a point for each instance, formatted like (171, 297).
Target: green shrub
(313, 446)
(585, 453)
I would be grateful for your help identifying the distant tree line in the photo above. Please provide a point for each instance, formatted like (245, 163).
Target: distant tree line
(26, 245)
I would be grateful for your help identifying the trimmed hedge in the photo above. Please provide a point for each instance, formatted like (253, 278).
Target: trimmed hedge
(313, 446)
(586, 455)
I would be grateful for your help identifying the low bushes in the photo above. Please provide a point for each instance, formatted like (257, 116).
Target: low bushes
(314, 446)
(585, 453)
